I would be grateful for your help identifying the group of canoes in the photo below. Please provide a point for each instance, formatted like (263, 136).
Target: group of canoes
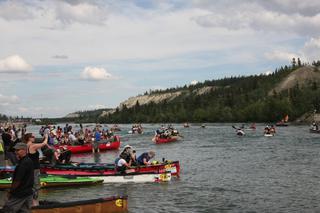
(269, 131)
(69, 174)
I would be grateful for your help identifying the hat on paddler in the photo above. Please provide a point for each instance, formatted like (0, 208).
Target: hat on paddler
(127, 146)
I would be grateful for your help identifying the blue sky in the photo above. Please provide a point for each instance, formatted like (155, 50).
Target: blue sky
(61, 56)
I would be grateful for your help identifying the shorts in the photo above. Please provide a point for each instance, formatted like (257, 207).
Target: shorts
(15, 204)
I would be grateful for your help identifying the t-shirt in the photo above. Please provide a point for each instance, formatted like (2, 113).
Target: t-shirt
(142, 156)
(97, 136)
(23, 173)
(72, 138)
(121, 162)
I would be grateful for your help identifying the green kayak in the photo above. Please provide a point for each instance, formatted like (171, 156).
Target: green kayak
(58, 181)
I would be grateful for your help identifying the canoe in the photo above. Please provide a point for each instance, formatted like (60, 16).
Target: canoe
(96, 169)
(101, 205)
(88, 147)
(132, 177)
(159, 140)
(314, 131)
(148, 177)
(281, 124)
(93, 169)
(58, 181)
(240, 133)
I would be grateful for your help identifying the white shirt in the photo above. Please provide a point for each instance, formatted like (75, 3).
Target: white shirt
(121, 162)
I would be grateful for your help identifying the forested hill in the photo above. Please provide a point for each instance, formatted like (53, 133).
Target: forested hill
(292, 90)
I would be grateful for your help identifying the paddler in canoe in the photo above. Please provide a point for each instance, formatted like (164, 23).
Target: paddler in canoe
(166, 133)
(269, 130)
(239, 131)
(126, 159)
(144, 158)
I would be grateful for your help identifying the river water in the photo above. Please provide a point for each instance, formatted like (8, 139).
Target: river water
(220, 172)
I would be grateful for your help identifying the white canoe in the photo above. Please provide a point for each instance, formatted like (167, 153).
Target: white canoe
(136, 178)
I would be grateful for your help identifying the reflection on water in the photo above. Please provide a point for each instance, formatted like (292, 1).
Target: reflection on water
(221, 172)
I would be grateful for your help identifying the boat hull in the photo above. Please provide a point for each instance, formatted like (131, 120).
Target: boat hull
(166, 140)
(137, 178)
(102, 205)
(58, 181)
(282, 124)
(314, 131)
(108, 169)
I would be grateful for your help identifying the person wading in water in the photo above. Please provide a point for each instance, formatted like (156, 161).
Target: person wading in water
(33, 154)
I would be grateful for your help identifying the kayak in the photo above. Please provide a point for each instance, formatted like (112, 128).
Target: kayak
(91, 169)
(268, 135)
(57, 181)
(115, 204)
(159, 140)
(88, 147)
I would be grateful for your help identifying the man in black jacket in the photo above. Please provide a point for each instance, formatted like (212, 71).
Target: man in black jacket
(20, 195)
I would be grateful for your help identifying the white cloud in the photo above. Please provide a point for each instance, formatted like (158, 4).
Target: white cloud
(308, 53)
(311, 49)
(14, 10)
(194, 82)
(268, 72)
(272, 17)
(279, 55)
(81, 12)
(95, 73)
(8, 100)
(14, 64)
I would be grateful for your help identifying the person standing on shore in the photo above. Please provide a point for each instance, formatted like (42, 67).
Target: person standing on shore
(20, 195)
(33, 154)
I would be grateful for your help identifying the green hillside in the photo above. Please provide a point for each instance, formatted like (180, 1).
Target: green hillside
(234, 99)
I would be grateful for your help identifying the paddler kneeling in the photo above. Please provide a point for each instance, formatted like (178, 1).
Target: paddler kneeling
(62, 155)
(126, 159)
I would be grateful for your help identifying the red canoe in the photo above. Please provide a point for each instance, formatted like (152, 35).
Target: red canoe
(159, 140)
(85, 169)
(88, 147)
(93, 169)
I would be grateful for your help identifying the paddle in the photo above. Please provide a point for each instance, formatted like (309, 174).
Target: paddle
(235, 127)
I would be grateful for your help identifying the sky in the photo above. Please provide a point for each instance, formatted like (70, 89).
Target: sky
(62, 56)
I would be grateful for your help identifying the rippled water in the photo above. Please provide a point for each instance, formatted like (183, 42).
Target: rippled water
(221, 172)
